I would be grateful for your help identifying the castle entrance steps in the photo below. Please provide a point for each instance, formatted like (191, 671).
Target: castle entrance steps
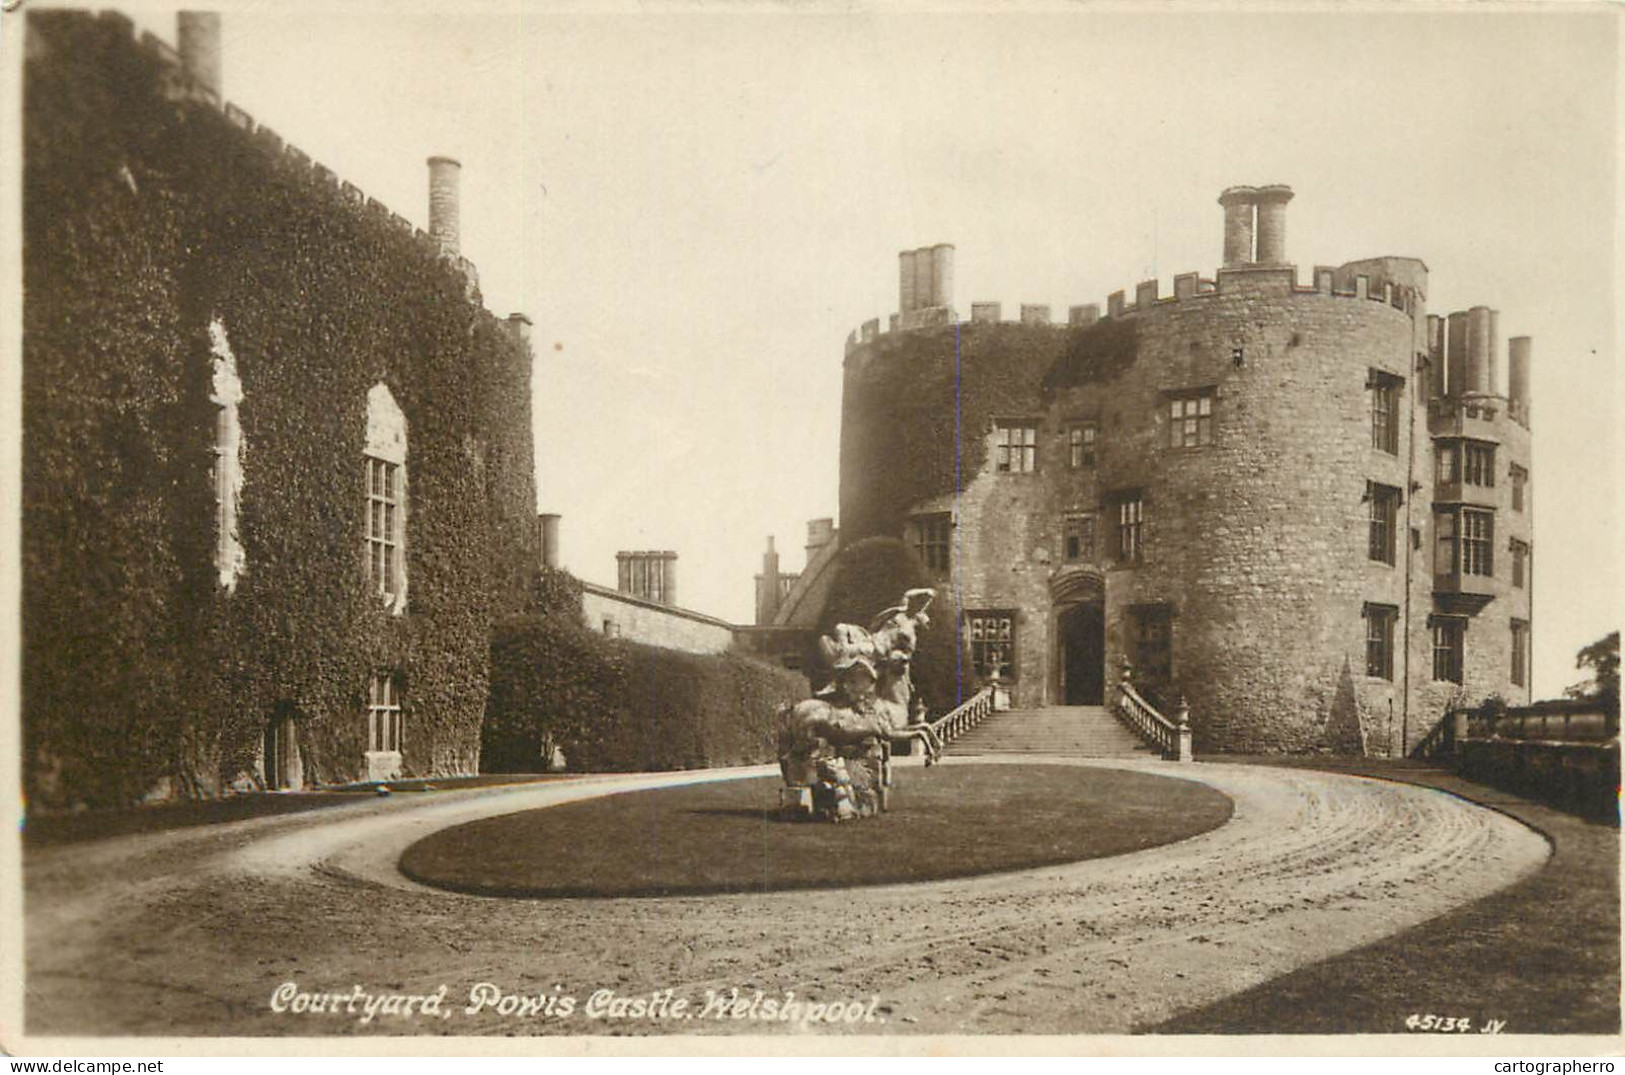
(1081, 731)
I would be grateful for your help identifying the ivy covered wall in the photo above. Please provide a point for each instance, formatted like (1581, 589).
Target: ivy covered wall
(146, 218)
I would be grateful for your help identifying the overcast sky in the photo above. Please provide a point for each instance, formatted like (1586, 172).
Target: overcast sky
(697, 206)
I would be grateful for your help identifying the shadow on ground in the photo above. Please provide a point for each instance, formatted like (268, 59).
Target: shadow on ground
(1542, 955)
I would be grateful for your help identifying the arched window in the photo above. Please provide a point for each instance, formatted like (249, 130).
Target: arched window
(226, 475)
(385, 460)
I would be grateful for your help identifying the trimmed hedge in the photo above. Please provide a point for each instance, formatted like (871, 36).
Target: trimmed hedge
(618, 706)
(145, 218)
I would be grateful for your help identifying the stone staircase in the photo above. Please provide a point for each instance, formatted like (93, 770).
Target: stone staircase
(1083, 731)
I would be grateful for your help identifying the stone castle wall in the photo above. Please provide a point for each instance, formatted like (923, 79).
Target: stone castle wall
(1256, 542)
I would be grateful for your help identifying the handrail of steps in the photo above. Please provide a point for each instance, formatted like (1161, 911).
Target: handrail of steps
(967, 715)
(1173, 739)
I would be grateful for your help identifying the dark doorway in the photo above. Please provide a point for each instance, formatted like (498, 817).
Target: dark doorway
(281, 751)
(1082, 642)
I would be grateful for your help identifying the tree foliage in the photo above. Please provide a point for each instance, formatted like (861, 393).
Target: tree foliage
(1602, 659)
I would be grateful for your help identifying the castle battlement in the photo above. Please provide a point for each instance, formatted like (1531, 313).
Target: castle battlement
(181, 83)
(1264, 281)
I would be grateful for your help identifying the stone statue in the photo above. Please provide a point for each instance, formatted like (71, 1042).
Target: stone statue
(835, 747)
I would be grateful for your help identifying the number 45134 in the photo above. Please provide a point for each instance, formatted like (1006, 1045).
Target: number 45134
(1440, 1024)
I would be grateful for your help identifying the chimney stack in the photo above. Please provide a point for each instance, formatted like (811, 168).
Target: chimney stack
(1456, 354)
(942, 274)
(820, 532)
(519, 326)
(197, 38)
(1271, 202)
(1518, 376)
(767, 585)
(1480, 351)
(1435, 355)
(1238, 225)
(647, 574)
(445, 176)
(547, 528)
(668, 561)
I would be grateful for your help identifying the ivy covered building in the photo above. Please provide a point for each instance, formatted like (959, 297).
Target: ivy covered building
(277, 464)
(1302, 503)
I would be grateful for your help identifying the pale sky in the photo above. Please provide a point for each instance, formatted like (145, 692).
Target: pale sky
(696, 206)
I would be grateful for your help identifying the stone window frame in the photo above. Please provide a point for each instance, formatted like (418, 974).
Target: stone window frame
(1520, 562)
(1469, 535)
(385, 497)
(1478, 463)
(1127, 508)
(1519, 673)
(385, 714)
(1087, 526)
(1380, 622)
(385, 526)
(992, 632)
(1384, 388)
(1518, 476)
(930, 534)
(1190, 417)
(1447, 462)
(1383, 522)
(1449, 647)
(1082, 444)
(1018, 456)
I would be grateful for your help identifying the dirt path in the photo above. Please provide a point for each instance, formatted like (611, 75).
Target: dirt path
(192, 932)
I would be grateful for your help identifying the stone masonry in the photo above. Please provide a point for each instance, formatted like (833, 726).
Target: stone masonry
(1260, 575)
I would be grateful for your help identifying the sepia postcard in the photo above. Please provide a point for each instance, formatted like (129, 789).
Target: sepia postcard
(797, 529)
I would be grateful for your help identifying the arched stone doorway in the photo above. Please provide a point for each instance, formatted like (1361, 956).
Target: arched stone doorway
(1079, 596)
(1081, 656)
(279, 752)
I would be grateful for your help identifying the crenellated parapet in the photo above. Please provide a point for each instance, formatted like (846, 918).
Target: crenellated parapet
(191, 73)
(1277, 281)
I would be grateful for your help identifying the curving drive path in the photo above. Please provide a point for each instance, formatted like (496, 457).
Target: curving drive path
(193, 931)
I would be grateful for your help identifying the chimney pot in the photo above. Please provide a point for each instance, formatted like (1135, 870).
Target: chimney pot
(942, 274)
(1238, 225)
(1518, 355)
(1271, 202)
(519, 324)
(445, 177)
(1480, 349)
(548, 528)
(197, 38)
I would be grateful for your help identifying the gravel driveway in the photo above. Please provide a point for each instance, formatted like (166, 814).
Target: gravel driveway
(243, 929)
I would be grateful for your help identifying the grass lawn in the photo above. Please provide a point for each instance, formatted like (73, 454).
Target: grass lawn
(1542, 954)
(955, 821)
(48, 830)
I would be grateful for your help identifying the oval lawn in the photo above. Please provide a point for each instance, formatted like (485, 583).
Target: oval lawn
(728, 836)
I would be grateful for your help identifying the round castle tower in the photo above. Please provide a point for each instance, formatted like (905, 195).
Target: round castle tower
(1232, 488)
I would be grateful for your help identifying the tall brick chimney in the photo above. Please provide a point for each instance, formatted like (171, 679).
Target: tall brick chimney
(1271, 202)
(445, 176)
(1238, 225)
(197, 38)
